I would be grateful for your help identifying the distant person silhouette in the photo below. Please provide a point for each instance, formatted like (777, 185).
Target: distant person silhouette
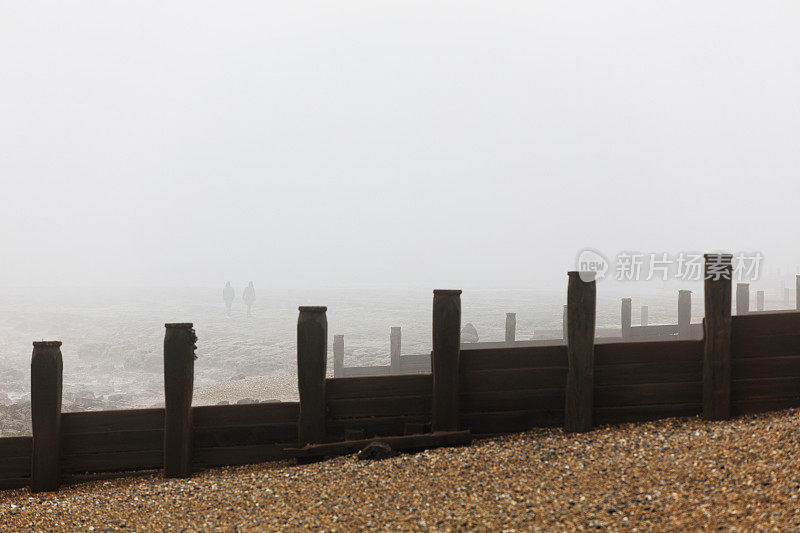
(228, 294)
(249, 297)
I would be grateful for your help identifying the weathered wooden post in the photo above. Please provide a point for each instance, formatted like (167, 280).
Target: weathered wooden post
(47, 371)
(645, 315)
(684, 314)
(179, 347)
(742, 298)
(581, 308)
(394, 349)
(626, 319)
(797, 292)
(759, 300)
(717, 353)
(312, 345)
(445, 359)
(338, 356)
(511, 327)
(564, 324)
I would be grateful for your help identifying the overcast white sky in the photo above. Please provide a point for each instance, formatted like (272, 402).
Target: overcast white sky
(444, 144)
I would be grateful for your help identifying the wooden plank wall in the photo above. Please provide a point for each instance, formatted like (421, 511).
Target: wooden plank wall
(378, 405)
(765, 362)
(637, 381)
(502, 389)
(512, 389)
(15, 462)
(107, 441)
(242, 434)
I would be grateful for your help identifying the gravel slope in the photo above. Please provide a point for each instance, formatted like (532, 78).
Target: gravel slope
(675, 474)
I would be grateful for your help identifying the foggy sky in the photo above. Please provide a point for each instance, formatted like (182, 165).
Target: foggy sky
(445, 144)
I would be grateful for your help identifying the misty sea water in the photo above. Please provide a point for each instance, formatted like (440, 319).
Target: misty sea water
(113, 339)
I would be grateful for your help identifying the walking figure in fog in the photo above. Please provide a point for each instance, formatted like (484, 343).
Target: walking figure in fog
(249, 296)
(228, 294)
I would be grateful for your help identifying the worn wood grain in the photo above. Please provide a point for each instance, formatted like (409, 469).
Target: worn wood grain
(581, 303)
(516, 400)
(113, 461)
(474, 360)
(648, 352)
(115, 441)
(240, 455)
(379, 386)
(245, 414)
(445, 359)
(102, 421)
(514, 379)
(385, 406)
(765, 346)
(312, 345)
(648, 394)
(718, 327)
(755, 324)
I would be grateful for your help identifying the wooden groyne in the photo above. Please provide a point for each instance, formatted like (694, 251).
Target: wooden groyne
(740, 364)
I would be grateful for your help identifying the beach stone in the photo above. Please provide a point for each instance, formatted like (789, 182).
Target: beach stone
(376, 451)
(247, 400)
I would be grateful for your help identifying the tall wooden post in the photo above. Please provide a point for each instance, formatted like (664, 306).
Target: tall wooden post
(338, 356)
(626, 318)
(759, 300)
(717, 353)
(47, 371)
(312, 345)
(394, 349)
(581, 308)
(511, 327)
(564, 324)
(645, 315)
(684, 314)
(445, 359)
(742, 298)
(179, 347)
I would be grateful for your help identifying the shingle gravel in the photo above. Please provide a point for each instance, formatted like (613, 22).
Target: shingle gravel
(670, 475)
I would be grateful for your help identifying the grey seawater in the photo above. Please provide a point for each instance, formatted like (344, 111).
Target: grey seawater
(112, 339)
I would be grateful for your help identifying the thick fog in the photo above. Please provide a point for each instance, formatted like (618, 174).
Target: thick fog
(445, 144)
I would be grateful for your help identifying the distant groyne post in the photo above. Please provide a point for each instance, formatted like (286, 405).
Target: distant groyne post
(47, 374)
(179, 346)
(625, 319)
(759, 300)
(742, 298)
(581, 309)
(338, 356)
(445, 359)
(395, 344)
(511, 327)
(645, 315)
(684, 314)
(312, 347)
(564, 324)
(797, 292)
(717, 351)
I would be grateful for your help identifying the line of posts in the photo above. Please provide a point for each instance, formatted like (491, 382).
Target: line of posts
(312, 336)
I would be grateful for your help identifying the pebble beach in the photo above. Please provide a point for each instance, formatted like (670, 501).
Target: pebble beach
(670, 475)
